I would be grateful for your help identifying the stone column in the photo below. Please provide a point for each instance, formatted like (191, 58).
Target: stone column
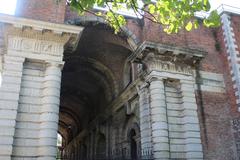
(9, 97)
(145, 120)
(193, 146)
(159, 122)
(49, 112)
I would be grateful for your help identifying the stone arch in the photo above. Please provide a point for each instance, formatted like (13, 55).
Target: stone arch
(130, 123)
(84, 151)
(99, 67)
(132, 39)
(129, 126)
(127, 73)
(134, 127)
(101, 147)
(133, 139)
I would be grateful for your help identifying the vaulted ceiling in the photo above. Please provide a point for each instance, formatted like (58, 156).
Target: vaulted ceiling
(91, 78)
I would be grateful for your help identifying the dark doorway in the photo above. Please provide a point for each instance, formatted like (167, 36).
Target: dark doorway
(101, 148)
(133, 144)
(84, 152)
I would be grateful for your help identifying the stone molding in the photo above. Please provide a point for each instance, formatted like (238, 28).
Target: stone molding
(40, 25)
(45, 34)
(211, 82)
(35, 46)
(175, 52)
(233, 54)
(159, 63)
(166, 58)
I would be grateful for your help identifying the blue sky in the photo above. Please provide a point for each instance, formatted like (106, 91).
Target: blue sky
(8, 6)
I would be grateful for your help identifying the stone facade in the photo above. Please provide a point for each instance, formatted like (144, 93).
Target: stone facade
(140, 94)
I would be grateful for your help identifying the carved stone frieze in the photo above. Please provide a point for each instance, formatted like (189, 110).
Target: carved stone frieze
(38, 36)
(169, 67)
(35, 46)
(167, 58)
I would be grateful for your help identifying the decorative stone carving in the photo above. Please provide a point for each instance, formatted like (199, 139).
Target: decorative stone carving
(65, 35)
(35, 46)
(169, 67)
(132, 106)
(165, 58)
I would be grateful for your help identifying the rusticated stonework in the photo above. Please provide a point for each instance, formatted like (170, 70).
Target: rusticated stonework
(31, 74)
(139, 94)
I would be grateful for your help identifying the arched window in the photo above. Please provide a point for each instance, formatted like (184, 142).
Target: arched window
(101, 148)
(84, 152)
(133, 145)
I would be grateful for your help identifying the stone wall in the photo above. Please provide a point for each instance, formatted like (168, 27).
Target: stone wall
(29, 92)
(116, 132)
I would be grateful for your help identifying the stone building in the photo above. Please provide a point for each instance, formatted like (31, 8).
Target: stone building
(140, 94)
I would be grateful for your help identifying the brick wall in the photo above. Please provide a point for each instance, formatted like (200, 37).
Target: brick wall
(215, 122)
(45, 10)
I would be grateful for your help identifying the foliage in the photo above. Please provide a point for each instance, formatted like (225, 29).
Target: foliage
(173, 15)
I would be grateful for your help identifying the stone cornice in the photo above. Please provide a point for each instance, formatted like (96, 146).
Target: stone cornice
(40, 30)
(172, 53)
(40, 25)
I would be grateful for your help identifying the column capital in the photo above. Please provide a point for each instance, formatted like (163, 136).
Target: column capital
(152, 78)
(142, 86)
(9, 58)
(55, 64)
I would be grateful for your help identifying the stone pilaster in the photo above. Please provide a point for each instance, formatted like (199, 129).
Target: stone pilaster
(49, 112)
(9, 97)
(145, 120)
(159, 122)
(193, 146)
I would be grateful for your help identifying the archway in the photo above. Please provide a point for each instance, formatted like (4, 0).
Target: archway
(101, 147)
(91, 80)
(133, 145)
(132, 39)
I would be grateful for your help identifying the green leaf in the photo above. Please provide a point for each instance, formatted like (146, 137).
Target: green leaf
(189, 26)
(173, 15)
(151, 8)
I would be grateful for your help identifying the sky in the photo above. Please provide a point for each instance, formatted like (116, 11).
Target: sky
(216, 3)
(8, 6)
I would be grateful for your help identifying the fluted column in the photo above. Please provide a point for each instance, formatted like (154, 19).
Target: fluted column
(49, 112)
(159, 122)
(145, 120)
